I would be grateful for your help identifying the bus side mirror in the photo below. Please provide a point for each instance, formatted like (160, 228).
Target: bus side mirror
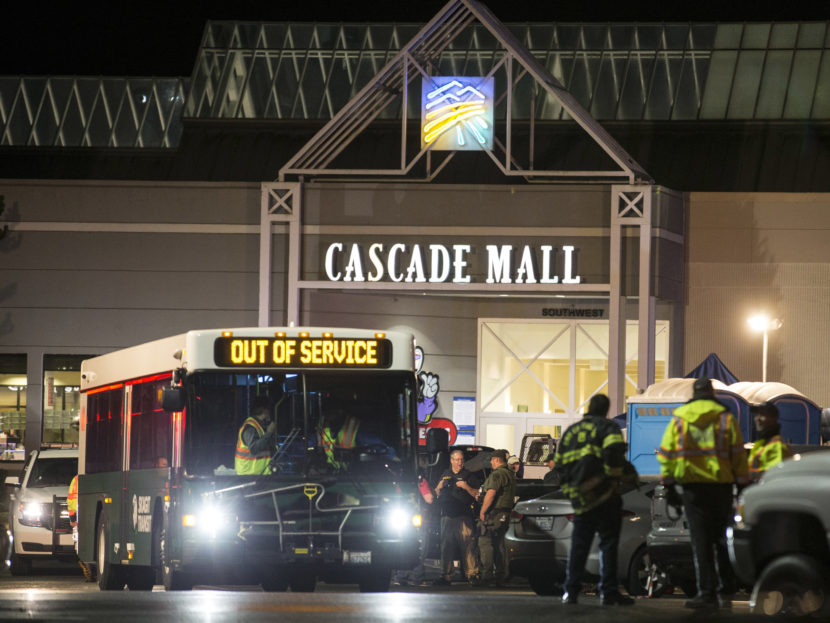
(438, 440)
(172, 399)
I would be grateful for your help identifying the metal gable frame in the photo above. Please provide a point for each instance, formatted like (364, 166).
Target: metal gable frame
(390, 86)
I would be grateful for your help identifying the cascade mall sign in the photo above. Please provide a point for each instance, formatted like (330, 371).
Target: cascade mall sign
(439, 263)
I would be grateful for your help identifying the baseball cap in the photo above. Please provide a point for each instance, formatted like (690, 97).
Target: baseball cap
(499, 454)
(513, 460)
(765, 408)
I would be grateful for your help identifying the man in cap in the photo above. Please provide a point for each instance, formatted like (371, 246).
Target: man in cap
(703, 450)
(590, 461)
(515, 463)
(499, 495)
(552, 477)
(770, 448)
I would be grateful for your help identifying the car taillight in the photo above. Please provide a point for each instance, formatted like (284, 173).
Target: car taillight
(515, 517)
(569, 517)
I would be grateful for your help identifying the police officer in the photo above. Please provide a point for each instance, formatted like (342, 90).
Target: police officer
(499, 491)
(770, 448)
(702, 450)
(256, 442)
(590, 461)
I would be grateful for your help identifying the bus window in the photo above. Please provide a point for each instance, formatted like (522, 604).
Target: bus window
(103, 437)
(151, 427)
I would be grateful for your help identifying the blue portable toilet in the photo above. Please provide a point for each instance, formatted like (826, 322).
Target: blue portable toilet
(800, 417)
(650, 412)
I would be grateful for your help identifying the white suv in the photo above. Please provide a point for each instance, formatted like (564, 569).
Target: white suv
(39, 518)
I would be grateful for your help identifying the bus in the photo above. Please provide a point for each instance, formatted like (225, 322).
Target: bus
(161, 499)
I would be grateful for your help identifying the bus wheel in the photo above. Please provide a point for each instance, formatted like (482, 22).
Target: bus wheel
(171, 579)
(375, 580)
(109, 575)
(140, 578)
(274, 580)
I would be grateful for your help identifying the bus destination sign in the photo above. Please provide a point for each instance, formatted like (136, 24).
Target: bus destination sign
(310, 352)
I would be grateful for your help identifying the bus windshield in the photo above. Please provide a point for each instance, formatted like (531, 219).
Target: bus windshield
(325, 424)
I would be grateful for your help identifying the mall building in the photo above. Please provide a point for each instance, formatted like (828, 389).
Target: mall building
(552, 209)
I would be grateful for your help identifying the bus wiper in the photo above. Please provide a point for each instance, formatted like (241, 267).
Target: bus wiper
(282, 450)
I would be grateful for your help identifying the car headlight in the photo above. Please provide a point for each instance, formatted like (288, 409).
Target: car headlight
(32, 513)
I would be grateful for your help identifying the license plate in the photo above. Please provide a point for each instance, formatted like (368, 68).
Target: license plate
(543, 523)
(357, 558)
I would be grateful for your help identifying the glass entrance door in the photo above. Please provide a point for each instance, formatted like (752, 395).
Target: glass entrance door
(538, 375)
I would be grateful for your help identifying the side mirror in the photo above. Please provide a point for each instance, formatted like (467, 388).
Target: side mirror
(13, 481)
(438, 440)
(172, 399)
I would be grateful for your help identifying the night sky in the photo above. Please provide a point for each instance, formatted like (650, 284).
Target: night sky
(153, 38)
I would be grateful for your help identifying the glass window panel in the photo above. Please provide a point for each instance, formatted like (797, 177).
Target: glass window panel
(103, 436)
(258, 88)
(611, 73)
(61, 398)
(500, 436)
(802, 88)
(702, 36)
(811, 35)
(594, 36)
(13, 385)
(566, 36)
(676, 36)
(755, 36)
(728, 36)
(774, 85)
(98, 126)
(718, 85)
(151, 427)
(783, 35)
(273, 35)
(586, 66)
(540, 37)
(821, 105)
(658, 105)
(687, 97)
(622, 37)
(745, 85)
(637, 80)
(248, 35)
(648, 37)
(151, 131)
(299, 36)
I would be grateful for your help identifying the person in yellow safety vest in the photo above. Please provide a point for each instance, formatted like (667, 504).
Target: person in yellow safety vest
(770, 448)
(345, 438)
(256, 442)
(72, 508)
(703, 450)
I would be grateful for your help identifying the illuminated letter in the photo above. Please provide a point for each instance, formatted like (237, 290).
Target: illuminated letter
(236, 351)
(360, 346)
(355, 265)
(261, 344)
(305, 352)
(458, 263)
(568, 278)
(278, 352)
(440, 257)
(290, 350)
(328, 357)
(394, 275)
(526, 267)
(546, 278)
(335, 246)
(416, 265)
(372, 352)
(375, 259)
(498, 261)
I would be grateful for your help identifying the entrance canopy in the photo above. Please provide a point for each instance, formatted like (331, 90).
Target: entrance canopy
(521, 83)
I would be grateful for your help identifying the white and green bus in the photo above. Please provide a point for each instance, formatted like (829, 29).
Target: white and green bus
(161, 501)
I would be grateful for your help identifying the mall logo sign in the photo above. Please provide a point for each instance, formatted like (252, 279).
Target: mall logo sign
(438, 263)
(457, 113)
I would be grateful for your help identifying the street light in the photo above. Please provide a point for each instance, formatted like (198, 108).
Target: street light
(765, 324)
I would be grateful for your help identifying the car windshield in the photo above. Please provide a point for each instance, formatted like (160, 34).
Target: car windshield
(52, 472)
(326, 424)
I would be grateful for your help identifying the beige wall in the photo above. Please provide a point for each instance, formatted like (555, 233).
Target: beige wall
(761, 252)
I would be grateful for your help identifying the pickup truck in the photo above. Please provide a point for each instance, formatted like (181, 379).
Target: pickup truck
(779, 542)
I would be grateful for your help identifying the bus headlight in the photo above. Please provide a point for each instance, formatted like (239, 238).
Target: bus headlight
(399, 519)
(211, 521)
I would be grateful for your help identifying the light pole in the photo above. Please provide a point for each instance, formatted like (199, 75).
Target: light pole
(765, 324)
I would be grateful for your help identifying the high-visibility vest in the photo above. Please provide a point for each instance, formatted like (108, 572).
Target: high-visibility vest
(72, 497)
(345, 439)
(710, 453)
(244, 461)
(766, 453)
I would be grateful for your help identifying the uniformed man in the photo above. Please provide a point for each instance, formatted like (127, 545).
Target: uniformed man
(256, 442)
(590, 460)
(499, 492)
(703, 450)
(770, 448)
